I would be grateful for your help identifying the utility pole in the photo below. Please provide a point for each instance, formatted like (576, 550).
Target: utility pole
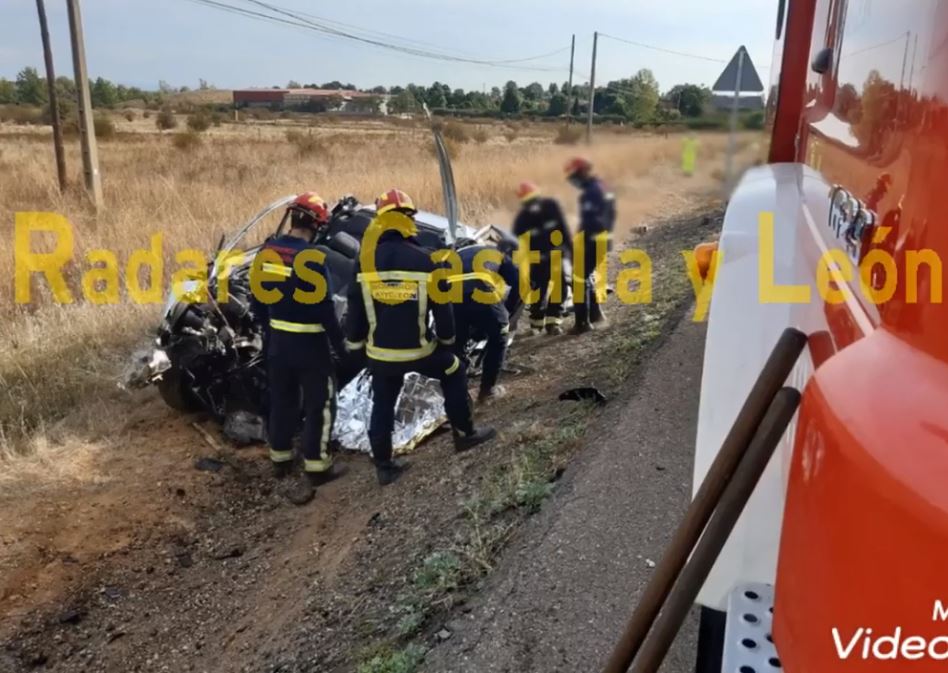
(53, 99)
(90, 153)
(569, 93)
(592, 92)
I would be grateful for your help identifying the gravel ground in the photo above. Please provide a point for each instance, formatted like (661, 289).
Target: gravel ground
(564, 591)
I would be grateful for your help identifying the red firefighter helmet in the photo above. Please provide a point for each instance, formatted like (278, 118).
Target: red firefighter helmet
(527, 190)
(311, 205)
(395, 199)
(577, 166)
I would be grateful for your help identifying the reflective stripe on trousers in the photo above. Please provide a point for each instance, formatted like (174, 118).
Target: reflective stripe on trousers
(456, 365)
(281, 456)
(324, 463)
(296, 327)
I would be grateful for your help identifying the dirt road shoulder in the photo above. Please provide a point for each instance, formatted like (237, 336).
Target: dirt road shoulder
(564, 590)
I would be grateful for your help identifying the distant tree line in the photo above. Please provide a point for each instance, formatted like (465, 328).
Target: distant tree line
(29, 88)
(636, 99)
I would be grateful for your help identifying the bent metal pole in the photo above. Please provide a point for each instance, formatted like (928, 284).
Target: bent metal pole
(729, 510)
(773, 375)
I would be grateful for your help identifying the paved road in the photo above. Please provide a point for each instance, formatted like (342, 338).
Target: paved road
(565, 590)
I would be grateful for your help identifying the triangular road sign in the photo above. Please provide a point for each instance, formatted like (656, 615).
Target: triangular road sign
(750, 80)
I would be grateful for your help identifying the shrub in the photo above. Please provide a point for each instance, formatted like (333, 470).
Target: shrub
(22, 114)
(452, 146)
(199, 122)
(481, 136)
(186, 140)
(441, 571)
(714, 123)
(166, 120)
(456, 132)
(754, 121)
(217, 118)
(129, 115)
(306, 143)
(146, 114)
(262, 114)
(568, 135)
(104, 126)
(405, 661)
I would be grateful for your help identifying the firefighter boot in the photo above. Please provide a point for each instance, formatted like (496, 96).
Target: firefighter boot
(580, 328)
(301, 491)
(467, 441)
(389, 471)
(491, 394)
(323, 478)
(281, 470)
(597, 317)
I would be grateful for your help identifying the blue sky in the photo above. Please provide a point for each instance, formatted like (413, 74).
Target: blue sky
(139, 42)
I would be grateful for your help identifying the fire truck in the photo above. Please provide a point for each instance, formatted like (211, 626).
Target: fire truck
(839, 561)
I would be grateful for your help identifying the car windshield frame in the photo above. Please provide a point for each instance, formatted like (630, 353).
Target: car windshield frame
(230, 244)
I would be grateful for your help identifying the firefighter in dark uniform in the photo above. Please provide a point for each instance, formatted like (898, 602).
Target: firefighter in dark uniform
(293, 301)
(542, 218)
(390, 315)
(597, 215)
(488, 274)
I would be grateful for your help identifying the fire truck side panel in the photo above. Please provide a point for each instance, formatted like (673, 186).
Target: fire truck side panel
(865, 530)
(865, 540)
(858, 137)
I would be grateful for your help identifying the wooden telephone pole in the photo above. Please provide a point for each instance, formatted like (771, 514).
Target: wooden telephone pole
(592, 92)
(53, 98)
(90, 152)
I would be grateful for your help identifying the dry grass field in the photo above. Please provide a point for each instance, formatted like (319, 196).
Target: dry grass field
(55, 358)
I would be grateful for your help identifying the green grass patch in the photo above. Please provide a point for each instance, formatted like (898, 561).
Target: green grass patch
(385, 660)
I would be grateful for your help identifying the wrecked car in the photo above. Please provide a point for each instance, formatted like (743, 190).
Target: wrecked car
(207, 355)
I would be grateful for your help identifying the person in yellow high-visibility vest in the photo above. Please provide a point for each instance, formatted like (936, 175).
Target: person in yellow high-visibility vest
(689, 155)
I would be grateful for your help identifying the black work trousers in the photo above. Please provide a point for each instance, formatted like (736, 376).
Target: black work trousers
(548, 308)
(489, 321)
(301, 385)
(587, 307)
(387, 380)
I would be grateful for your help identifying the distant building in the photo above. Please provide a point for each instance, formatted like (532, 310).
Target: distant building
(258, 97)
(341, 101)
(724, 102)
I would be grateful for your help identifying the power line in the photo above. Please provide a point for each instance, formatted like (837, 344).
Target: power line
(388, 45)
(299, 21)
(427, 45)
(662, 49)
(876, 46)
(377, 33)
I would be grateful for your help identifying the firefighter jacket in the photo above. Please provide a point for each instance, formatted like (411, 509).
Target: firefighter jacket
(540, 217)
(597, 210)
(292, 294)
(391, 313)
(488, 278)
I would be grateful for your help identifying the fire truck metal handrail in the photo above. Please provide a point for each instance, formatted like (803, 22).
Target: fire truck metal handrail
(772, 377)
(735, 497)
